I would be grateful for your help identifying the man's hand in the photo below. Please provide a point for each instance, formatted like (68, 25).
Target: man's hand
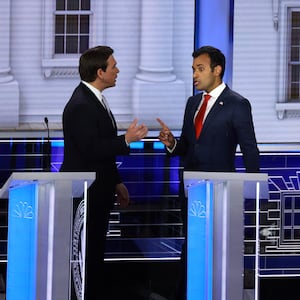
(165, 135)
(135, 132)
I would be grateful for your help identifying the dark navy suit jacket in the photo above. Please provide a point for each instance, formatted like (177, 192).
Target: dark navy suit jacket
(228, 124)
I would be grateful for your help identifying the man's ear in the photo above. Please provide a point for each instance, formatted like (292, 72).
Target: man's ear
(100, 73)
(218, 70)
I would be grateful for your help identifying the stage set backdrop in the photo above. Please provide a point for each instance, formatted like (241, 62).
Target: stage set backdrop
(41, 41)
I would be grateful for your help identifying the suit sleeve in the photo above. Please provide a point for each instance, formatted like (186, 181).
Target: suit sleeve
(243, 124)
(94, 138)
(187, 127)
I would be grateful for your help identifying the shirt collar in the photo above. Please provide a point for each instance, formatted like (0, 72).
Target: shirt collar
(216, 92)
(94, 90)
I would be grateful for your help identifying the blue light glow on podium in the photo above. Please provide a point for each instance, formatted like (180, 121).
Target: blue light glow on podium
(22, 253)
(200, 241)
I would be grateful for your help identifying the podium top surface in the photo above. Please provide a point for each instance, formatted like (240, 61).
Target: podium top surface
(250, 179)
(225, 176)
(19, 178)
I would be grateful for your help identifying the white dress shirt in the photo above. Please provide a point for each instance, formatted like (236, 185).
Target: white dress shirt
(97, 93)
(215, 93)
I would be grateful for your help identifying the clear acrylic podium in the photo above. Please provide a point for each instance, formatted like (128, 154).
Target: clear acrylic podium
(40, 221)
(215, 231)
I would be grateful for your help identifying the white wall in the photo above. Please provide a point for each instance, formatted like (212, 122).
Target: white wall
(256, 61)
(41, 96)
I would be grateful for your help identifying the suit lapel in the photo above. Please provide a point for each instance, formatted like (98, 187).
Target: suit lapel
(92, 97)
(193, 106)
(217, 107)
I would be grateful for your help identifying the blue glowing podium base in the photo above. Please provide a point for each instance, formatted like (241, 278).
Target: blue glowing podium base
(215, 231)
(40, 221)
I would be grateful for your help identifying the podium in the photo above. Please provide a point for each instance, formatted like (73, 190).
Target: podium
(215, 231)
(40, 221)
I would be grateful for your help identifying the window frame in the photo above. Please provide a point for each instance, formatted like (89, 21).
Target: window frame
(66, 65)
(65, 34)
(291, 63)
(284, 107)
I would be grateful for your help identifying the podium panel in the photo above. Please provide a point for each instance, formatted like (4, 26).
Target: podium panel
(215, 232)
(40, 220)
(200, 241)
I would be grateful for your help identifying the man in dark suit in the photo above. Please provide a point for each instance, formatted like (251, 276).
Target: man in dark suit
(91, 144)
(226, 123)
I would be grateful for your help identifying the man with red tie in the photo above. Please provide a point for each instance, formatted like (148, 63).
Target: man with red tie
(216, 121)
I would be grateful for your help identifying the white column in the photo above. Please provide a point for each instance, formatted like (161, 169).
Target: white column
(156, 90)
(156, 41)
(9, 88)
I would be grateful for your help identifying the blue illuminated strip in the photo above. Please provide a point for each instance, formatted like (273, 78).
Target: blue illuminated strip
(158, 145)
(57, 143)
(200, 242)
(218, 33)
(137, 145)
(22, 243)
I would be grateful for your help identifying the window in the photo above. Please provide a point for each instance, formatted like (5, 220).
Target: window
(288, 103)
(294, 61)
(70, 27)
(72, 20)
(290, 218)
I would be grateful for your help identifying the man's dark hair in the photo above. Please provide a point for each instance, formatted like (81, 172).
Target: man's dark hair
(217, 58)
(92, 60)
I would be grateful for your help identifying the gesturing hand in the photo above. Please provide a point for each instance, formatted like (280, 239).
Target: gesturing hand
(135, 132)
(165, 135)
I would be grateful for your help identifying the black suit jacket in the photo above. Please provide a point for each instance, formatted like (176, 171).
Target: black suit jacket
(90, 138)
(91, 144)
(228, 124)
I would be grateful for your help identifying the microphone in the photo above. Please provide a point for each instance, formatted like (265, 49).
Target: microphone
(47, 126)
(47, 149)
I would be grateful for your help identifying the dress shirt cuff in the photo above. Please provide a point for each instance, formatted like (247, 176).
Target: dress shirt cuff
(170, 150)
(126, 141)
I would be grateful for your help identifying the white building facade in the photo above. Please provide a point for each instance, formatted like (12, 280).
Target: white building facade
(40, 45)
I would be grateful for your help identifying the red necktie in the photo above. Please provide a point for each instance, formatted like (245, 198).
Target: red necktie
(200, 116)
